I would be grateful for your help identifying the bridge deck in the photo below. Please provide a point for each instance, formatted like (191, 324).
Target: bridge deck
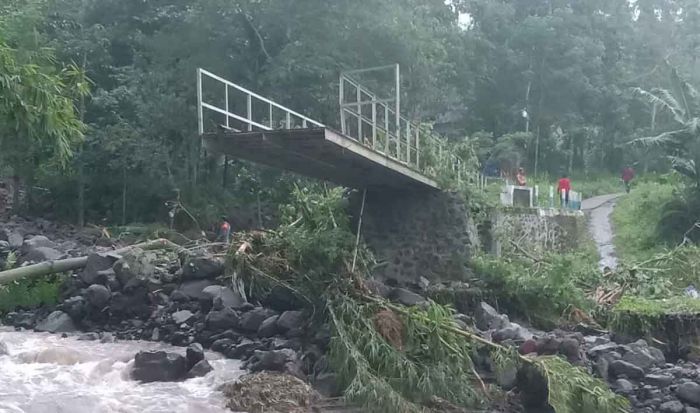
(319, 153)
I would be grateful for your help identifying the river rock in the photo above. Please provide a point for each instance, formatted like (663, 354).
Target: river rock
(222, 319)
(201, 369)
(41, 254)
(194, 354)
(658, 380)
(406, 297)
(75, 307)
(673, 406)
(150, 366)
(36, 241)
(203, 267)
(282, 299)
(227, 296)
(253, 319)
(15, 240)
(97, 262)
(327, 384)
(623, 385)
(98, 295)
(268, 328)
(290, 320)
(194, 290)
(57, 322)
(621, 367)
(273, 360)
(689, 392)
(488, 318)
(182, 316)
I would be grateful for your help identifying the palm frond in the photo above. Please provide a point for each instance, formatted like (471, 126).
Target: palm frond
(665, 100)
(662, 139)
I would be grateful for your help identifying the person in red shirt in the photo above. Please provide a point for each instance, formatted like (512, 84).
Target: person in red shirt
(563, 189)
(627, 176)
(225, 231)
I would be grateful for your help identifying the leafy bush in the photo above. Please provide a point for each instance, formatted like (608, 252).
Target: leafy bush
(29, 293)
(542, 291)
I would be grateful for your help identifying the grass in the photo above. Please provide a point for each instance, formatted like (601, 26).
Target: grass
(656, 308)
(636, 217)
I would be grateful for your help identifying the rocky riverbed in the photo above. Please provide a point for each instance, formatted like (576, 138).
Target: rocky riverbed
(185, 301)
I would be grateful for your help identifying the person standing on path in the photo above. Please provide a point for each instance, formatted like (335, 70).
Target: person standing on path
(224, 231)
(627, 176)
(563, 189)
(520, 178)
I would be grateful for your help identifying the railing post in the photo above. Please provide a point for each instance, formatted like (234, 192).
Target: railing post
(303, 123)
(359, 115)
(386, 128)
(408, 142)
(341, 100)
(289, 120)
(226, 99)
(271, 124)
(374, 123)
(200, 112)
(398, 112)
(418, 147)
(250, 111)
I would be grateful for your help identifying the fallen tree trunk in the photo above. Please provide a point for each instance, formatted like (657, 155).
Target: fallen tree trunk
(70, 264)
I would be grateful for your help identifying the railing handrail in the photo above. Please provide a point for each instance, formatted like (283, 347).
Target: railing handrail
(225, 111)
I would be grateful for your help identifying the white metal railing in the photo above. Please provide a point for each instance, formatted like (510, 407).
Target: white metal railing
(376, 122)
(241, 110)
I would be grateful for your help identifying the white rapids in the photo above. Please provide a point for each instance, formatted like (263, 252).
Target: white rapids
(45, 373)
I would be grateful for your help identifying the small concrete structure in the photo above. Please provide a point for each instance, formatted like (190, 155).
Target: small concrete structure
(319, 153)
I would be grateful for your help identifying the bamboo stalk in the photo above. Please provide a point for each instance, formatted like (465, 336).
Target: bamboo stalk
(70, 264)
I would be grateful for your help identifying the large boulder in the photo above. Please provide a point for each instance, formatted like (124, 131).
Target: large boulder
(194, 354)
(182, 316)
(98, 295)
(268, 328)
(96, 263)
(406, 297)
(689, 392)
(273, 360)
(57, 322)
(138, 268)
(201, 369)
(253, 319)
(14, 239)
(488, 318)
(152, 366)
(290, 320)
(134, 304)
(222, 319)
(40, 254)
(282, 299)
(202, 267)
(225, 296)
(624, 368)
(194, 290)
(75, 307)
(36, 241)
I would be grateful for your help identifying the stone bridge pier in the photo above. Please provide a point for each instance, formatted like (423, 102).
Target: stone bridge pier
(416, 234)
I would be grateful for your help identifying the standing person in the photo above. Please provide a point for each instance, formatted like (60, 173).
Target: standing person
(224, 231)
(627, 176)
(520, 178)
(563, 189)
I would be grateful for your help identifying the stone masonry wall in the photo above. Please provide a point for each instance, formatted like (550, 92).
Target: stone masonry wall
(537, 230)
(418, 234)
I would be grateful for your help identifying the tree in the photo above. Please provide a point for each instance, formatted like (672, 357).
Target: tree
(38, 119)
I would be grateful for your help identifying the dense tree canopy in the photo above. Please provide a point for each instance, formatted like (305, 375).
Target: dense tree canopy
(472, 67)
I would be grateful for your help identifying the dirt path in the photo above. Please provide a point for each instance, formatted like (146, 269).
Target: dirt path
(598, 209)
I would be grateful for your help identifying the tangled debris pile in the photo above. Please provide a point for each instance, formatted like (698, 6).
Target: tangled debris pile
(269, 393)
